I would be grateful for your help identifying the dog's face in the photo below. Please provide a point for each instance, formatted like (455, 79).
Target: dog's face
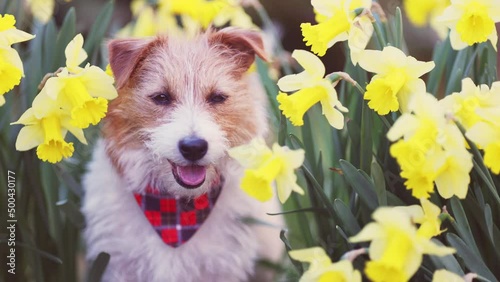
(182, 103)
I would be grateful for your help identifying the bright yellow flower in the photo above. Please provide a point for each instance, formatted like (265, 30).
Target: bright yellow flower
(203, 11)
(427, 215)
(321, 268)
(477, 108)
(75, 54)
(11, 70)
(84, 95)
(313, 88)
(9, 34)
(336, 22)
(150, 22)
(472, 21)
(396, 81)
(11, 66)
(42, 10)
(420, 12)
(432, 150)
(465, 104)
(264, 165)
(396, 248)
(487, 136)
(442, 275)
(46, 126)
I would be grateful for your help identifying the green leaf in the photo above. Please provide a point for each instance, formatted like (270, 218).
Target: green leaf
(488, 218)
(366, 138)
(378, 178)
(288, 247)
(98, 267)
(471, 259)
(72, 212)
(398, 24)
(66, 34)
(360, 184)
(448, 262)
(462, 224)
(49, 38)
(98, 29)
(347, 219)
(317, 210)
(455, 79)
(441, 52)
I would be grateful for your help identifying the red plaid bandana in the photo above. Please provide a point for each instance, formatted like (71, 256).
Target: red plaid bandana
(175, 219)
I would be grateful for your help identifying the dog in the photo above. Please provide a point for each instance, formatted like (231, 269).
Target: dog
(182, 103)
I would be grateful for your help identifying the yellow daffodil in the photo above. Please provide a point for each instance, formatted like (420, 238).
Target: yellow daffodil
(477, 108)
(336, 20)
(11, 70)
(82, 92)
(75, 54)
(234, 14)
(264, 165)
(487, 136)
(432, 150)
(465, 104)
(11, 66)
(9, 34)
(46, 126)
(151, 22)
(396, 79)
(427, 215)
(313, 88)
(472, 21)
(422, 12)
(396, 248)
(84, 95)
(321, 268)
(42, 10)
(442, 275)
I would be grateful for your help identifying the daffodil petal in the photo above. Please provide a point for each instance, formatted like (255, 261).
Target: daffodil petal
(75, 54)
(29, 137)
(404, 124)
(369, 232)
(98, 83)
(310, 62)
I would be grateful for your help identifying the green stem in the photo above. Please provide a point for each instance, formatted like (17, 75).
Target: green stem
(380, 36)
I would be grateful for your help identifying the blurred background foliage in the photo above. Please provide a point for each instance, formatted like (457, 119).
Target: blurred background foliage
(348, 173)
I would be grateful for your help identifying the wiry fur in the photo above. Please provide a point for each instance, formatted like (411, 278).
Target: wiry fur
(140, 141)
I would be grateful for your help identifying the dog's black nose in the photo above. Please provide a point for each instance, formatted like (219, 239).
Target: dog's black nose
(193, 148)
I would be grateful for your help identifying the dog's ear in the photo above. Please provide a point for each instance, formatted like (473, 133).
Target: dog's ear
(124, 55)
(243, 45)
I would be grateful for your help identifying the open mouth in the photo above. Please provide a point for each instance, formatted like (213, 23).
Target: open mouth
(190, 176)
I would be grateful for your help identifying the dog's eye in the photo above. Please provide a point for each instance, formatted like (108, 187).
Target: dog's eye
(216, 98)
(161, 98)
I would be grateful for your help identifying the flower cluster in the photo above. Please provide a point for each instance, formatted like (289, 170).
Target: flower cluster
(264, 165)
(71, 100)
(313, 87)
(477, 108)
(397, 245)
(11, 66)
(432, 150)
(194, 14)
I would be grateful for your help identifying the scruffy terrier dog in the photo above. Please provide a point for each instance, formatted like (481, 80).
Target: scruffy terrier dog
(162, 196)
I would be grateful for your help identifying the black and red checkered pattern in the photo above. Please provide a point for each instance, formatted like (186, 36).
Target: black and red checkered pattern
(175, 219)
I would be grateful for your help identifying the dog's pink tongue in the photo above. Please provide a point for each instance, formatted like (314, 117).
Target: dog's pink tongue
(192, 174)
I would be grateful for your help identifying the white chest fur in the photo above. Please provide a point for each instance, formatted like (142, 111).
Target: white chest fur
(224, 248)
